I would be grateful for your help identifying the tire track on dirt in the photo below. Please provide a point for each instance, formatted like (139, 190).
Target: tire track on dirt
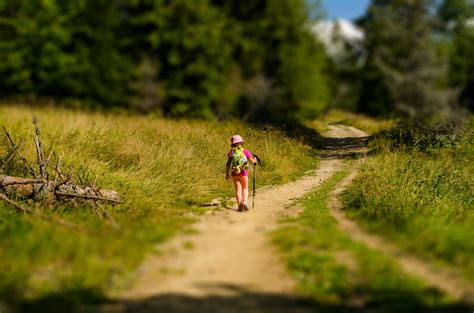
(445, 280)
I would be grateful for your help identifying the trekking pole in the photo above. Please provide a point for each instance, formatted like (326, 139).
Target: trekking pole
(254, 187)
(254, 184)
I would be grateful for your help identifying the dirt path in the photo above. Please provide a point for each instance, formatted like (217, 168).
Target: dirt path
(230, 256)
(229, 265)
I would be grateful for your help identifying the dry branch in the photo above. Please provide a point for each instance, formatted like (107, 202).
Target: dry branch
(9, 180)
(42, 188)
(24, 209)
(86, 196)
(11, 155)
(93, 183)
(15, 205)
(23, 159)
(46, 163)
(58, 169)
(39, 149)
(104, 211)
(61, 188)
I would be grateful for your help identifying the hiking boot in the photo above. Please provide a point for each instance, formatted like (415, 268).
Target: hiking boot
(245, 207)
(241, 208)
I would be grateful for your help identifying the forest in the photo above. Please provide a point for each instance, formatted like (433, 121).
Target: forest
(256, 60)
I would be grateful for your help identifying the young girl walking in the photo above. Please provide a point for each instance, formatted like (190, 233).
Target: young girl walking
(238, 160)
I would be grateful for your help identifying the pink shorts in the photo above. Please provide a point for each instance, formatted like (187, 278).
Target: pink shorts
(242, 173)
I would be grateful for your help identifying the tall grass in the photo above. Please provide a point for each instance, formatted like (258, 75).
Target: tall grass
(422, 198)
(341, 275)
(164, 169)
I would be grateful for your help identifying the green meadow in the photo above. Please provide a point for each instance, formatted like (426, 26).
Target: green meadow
(163, 169)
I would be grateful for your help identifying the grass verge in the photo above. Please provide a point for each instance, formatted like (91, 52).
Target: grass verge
(340, 275)
(421, 198)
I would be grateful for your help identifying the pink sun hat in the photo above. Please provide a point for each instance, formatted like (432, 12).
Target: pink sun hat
(236, 139)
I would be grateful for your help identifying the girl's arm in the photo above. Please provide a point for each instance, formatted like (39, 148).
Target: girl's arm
(250, 157)
(253, 160)
(227, 169)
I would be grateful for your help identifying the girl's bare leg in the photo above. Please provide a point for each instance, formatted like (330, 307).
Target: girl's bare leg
(245, 189)
(238, 189)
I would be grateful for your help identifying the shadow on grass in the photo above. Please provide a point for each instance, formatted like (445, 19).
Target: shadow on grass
(343, 154)
(296, 131)
(308, 136)
(329, 148)
(233, 299)
(345, 143)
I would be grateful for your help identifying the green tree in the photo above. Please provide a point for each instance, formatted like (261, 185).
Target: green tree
(455, 16)
(302, 62)
(402, 72)
(282, 63)
(62, 50)
(180, 58)
(184, 44)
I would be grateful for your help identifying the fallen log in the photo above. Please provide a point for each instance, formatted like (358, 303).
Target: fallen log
(17, 185)
(10, 180)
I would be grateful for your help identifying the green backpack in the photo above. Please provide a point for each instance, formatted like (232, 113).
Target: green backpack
(239, 161)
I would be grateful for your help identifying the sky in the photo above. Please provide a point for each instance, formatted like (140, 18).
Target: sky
(347, 9)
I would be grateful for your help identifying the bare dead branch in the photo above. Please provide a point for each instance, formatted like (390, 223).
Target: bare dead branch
(75, 195)
(110, 218)
(9, 180)
(39, 148)
(105, 212)
(11, 155)
(63, 182)
(94, 182)
(42, 188)
(24, 209)
(58, 175)
(46, 163)
(14, 204)
(25, 161)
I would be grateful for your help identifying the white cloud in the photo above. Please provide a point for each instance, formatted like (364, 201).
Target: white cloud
(334, 34)
(470, 22)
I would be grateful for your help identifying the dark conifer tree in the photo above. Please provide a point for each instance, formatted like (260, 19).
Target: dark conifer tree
(402, 72)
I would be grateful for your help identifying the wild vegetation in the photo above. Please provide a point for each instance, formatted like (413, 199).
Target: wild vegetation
(163, 169)
(341, 275)
(419, 185)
